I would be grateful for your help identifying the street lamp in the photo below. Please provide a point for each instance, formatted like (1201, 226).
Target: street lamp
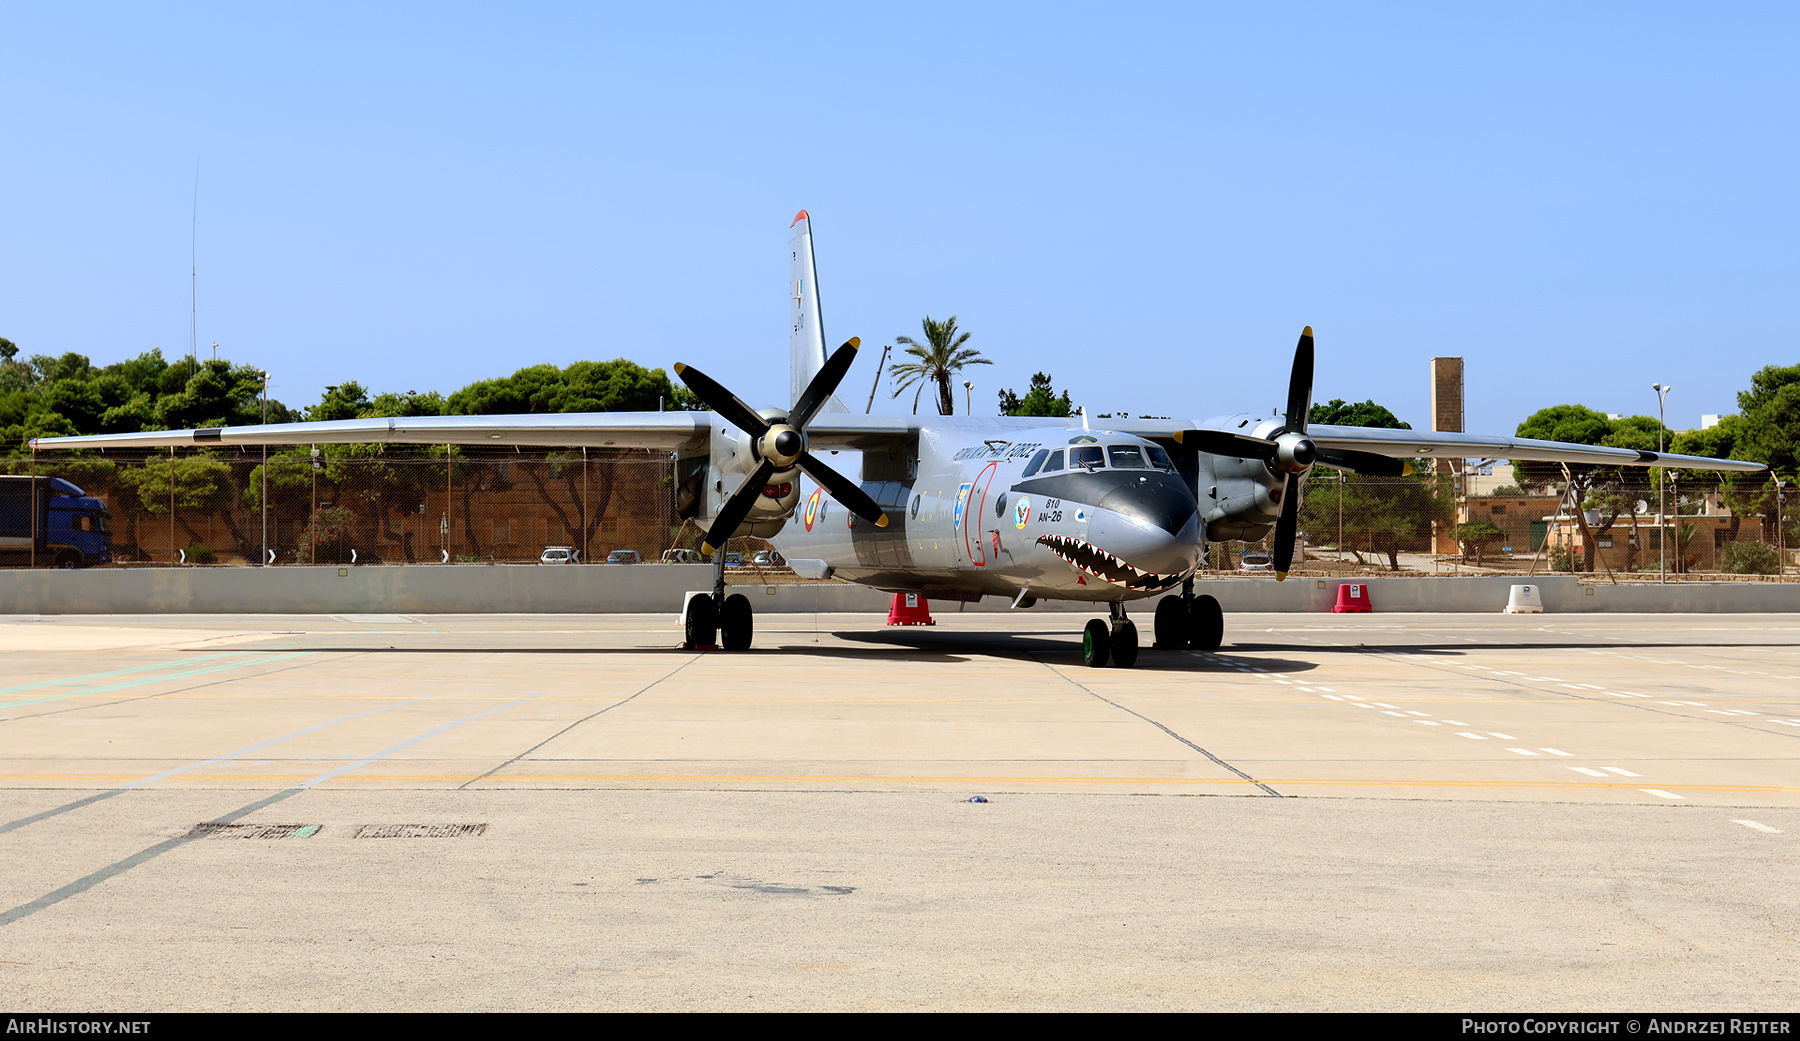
(264, 562)
(968, 392)
(1662, 520)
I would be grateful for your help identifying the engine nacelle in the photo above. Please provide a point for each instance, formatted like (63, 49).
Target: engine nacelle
(731, 457)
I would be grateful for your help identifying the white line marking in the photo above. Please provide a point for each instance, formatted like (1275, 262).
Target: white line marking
(1621, 771)
(1402, 715)
(1758, 826)
(1456, 722)
(1662, 794)
(1352, 697)
(1383, 704)
(1333, 697)
(1555, 751)
(1416, 712)
(1472, 737)
(1522, 751)
(1585, 770)
(1503, 737)
(1429, 722)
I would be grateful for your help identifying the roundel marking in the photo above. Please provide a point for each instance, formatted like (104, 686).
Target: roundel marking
(812, 508)
(1022, 511)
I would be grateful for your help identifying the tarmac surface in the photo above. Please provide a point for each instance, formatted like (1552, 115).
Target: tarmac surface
(1380, 812)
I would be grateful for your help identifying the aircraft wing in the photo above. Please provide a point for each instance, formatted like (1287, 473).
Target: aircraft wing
(667, 431)
(1428, 444)
(1414, 444)
(670, 431)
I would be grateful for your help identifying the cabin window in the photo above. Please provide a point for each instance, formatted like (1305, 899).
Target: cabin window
(1127, 457)
(1090, 456)
(1160, 459)
(1037, 461)
(1055, 463)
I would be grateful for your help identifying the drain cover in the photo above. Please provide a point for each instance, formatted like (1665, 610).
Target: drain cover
(418, 831)
(253, 831)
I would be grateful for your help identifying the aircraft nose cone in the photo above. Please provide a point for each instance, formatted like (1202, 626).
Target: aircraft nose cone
(1153, 498)
(1149, 548)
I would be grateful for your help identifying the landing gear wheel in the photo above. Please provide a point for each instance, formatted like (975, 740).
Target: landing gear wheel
(736, 623)
(1206, 624)
(1124, 644)
(1096, 643)
(702, 621)
(1171, 623)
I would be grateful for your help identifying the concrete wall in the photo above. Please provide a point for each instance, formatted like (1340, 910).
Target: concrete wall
(428, 589)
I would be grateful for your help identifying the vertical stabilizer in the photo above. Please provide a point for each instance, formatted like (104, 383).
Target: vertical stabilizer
(806, 328)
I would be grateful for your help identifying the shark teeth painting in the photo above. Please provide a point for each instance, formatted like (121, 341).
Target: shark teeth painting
(1085, 556)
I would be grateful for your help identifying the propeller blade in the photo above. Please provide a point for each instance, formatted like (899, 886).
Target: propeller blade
(736, 508)
(722, 401)
(1364, 462)
(1299, 401)
(848, 495)
(1220, 442)
(1285, 528)
(824, 382)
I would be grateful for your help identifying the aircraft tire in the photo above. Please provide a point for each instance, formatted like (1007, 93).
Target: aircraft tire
(1125, 644)
(1206, 625)
(1096, 644)
(1171, 623)
(736, 623)
(702, 621)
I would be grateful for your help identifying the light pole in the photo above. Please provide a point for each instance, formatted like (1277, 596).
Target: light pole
(1780, 536)
(1662, 520)
(264, 562)
(968, 393)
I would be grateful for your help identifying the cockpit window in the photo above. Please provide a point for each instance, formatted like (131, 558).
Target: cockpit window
(1127, 457)
(1055, 463)
(1036, 462)
(1091, 457)
(1160, 459)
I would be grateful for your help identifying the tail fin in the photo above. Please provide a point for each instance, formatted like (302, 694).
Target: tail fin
(806, 332)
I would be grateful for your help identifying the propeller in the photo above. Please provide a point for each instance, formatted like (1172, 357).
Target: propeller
(780, 444)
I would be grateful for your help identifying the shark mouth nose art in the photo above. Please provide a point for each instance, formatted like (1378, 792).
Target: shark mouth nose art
(1090, 558)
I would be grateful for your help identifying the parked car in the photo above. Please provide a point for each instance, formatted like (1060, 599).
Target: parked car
(734, 560)
(681, 556)
(624, 556)
(558, 555)
(768, 558)
(1256, 562)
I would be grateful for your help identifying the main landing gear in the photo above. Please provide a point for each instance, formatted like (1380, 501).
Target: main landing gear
(1189, 621)
(714, 621)
(1117, 642)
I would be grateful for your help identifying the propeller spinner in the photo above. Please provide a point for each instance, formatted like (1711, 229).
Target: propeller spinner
(780, 444)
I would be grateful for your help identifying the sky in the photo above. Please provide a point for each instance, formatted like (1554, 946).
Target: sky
(1146, 202)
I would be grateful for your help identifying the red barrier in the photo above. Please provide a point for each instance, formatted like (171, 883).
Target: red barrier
(1353, 598)
(910, 609)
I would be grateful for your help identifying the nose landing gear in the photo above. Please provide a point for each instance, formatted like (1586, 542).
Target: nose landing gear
(1117, 643)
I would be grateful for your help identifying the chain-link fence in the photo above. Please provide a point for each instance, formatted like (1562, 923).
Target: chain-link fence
(345, 504)
(393, 504)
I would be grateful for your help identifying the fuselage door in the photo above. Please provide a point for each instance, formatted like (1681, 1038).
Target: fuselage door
(975, 517)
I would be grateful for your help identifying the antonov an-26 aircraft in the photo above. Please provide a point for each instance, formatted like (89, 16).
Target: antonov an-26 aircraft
(961, 507)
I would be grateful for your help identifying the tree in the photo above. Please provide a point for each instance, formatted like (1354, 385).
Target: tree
(1476, 535)
(941, 357)
(1770, 431)
(1380, 514)
(1362, 414)
(1040, 400)
(586, 386)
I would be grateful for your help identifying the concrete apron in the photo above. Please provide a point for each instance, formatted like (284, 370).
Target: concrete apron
(653, 588)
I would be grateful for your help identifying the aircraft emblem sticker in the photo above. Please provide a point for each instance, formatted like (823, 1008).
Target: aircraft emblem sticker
(1022, 512)
(962, 502)
(1080, 516)
(812, 508)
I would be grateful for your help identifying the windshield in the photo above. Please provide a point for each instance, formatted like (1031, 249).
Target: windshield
(1090, 456)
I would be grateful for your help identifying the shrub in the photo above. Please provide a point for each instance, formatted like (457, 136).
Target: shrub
(199, 554)
(1751, 558)
(327, 537)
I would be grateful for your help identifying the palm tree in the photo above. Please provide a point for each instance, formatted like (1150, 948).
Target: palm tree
(941, 356)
